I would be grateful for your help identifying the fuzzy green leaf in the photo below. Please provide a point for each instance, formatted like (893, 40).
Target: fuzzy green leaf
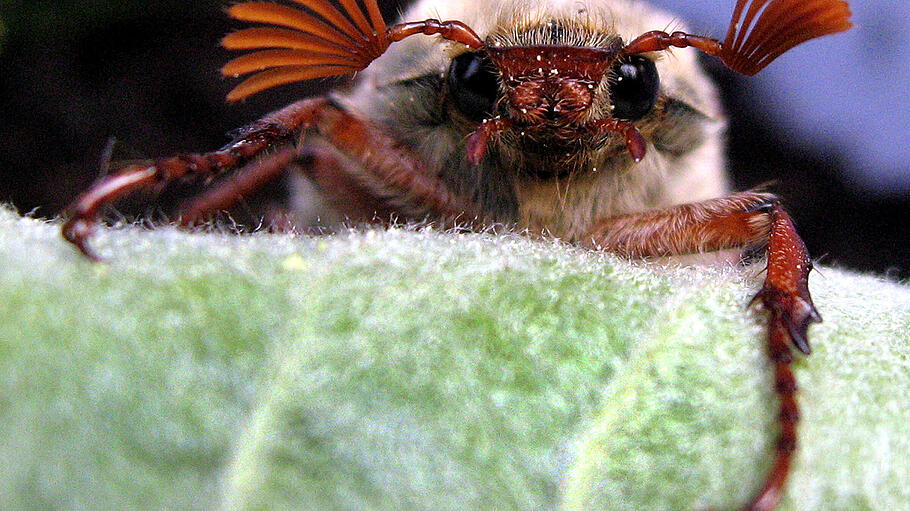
(412, 369)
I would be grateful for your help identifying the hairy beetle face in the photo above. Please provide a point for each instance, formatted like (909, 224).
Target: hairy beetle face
(550, 86)
(557, 86)
(554, 80)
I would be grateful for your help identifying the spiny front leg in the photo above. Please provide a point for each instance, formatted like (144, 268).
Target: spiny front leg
(745, 220)
(786, 289)
(276, 129)
(785, 294)
(366, 173)
(391, 173)
(360, 168)
(323, 166)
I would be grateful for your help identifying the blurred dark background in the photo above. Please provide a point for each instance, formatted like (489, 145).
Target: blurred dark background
(74, 73)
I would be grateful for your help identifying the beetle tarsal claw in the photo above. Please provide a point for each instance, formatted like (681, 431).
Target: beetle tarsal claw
(77, 230)
(795, 309)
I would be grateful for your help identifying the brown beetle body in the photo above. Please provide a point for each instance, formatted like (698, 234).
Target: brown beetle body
(558, 117)
(556, 177)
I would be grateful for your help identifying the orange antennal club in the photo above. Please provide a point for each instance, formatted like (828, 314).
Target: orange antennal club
(759, 32)
(318, 41)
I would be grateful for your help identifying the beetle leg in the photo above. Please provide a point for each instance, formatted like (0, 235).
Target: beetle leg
(324, 167)
(335, 183)
(359, 169)
(744, 220)
(785, 294)
(386, 171)
(278, 128)
(389, 171)
(231, 191)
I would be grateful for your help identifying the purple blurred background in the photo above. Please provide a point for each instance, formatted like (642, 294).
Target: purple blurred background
(825, 123)
(846, 92)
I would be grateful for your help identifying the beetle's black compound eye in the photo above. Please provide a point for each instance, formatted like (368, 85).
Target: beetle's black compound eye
(633, 87)
(473, 86)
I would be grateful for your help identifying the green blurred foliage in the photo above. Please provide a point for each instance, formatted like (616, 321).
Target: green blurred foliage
(414, 369)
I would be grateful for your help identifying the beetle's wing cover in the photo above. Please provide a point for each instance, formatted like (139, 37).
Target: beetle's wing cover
(294, 44)
(762, 30)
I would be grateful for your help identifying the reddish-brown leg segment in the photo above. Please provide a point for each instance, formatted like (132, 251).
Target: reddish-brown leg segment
(737, 221)
(321, 165)
(278, 128)
(785, 295)
(337, 185)
(228, 193)
(389, 172)
(745, 220)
